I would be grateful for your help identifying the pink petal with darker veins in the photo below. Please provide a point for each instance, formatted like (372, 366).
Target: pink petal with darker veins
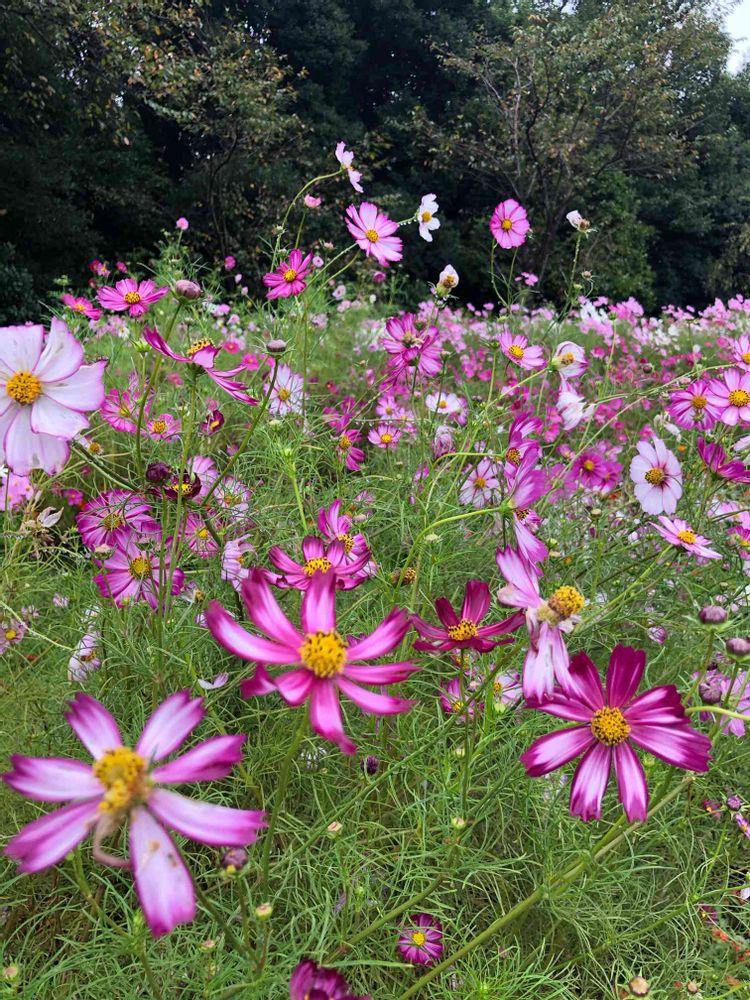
(318, 610)
(170, 725)
(265, 612)
(626, 666)
(237, 640)
(163, 883)
(214, 758)
(204, 822)
(369, 701)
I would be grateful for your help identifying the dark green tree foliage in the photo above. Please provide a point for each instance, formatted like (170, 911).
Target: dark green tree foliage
(115, 119)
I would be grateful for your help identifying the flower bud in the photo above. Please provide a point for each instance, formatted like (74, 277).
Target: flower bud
(458, 823)
(334, 829)
(639, 987)
(276, 346)
(263, 911)
(739, 648)
(189, 290)
(234, 860)
(734, 802)
(710, 690)
(370, 765)
(712, 614)
(158, 472)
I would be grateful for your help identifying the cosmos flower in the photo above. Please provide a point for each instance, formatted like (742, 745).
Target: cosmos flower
(164, 427)
(346, 158)
(730, 394)
(515, 347)
(411, 348)
(690, 408)
(45, 392)
(611, 723)
(569, 360)
(741, 352)
(385, 436)
(347, 451)
(447, 280)
(123, 786)
(315, 982)
(323, 663)
(427, 217)
(111, 518)
(238, 558)
(678, 532)
(336, 526)
(657, 476)
(481, 487)
(721, 465)
(288, 392)
(133, 573)
(202, 355)
(463, 630)
(421, 939)
(320, 559)
(133, 296)
(509, 224)
(289, 277)
(80, 305)
(373, 232)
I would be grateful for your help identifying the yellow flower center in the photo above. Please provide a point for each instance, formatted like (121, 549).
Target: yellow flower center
(588, 465)
(372, 235)
(566, 601)
(124, 411)
(348, 542)
(457, 706)
(746, 357)
(320, 565)
(513, 455)
(479, 483)
(738, 397)
(507, 225)
(11, 634)
(80, 307)
(426, 216)
(23, 387)
(198, 345)
(655, 476)
(140, 567)
(466, 629)
(344, 443)
(448, 281)
(443, 404)
(284, 394)
(386, 438)
(132, 298)
(609, 726)
(419, 938)
(95, 448)
(497, 688)
(159, 426)
(516, 352)
(568, 358)
(324, 653)
(687, 536)
(113, 520)
(246, 559)
(123, 773)
(698, 402)
(202, 533)
(290, 275)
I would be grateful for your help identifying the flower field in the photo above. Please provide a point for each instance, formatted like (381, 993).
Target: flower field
(353, 645)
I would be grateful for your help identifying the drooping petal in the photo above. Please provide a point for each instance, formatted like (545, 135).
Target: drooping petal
(318, 610)
(325, 715)
(163, 883)
(233, 637)
(204, 822)
(382, 639)
(371, 702)
(93, 725)
(555, 749)
(264, 611)
(52, 779)
(170, 725)
(626, 666)
(214, 758)
(631, 783)
(48, 839)
(590, 782)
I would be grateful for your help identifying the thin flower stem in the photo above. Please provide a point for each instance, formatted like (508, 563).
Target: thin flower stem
(153, 985)
(284, 774)
(298, 497)
(147, 389)
(222, 922)
(716, 710)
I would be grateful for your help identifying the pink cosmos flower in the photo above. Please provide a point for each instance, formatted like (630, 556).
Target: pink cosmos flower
(410, 348)
(123, 785)
(731, 396)
(546, 620)
(311, 201)
(721, 465)
(237, 560)
(610, 724)
(373, 232)
(589, 468)
(315, 982)
(463, 631)
(324, 664)
(421, 939)
(320, 560)
(337, 527)
(120, 407)
(198, 537)
(132, 573)
(202, 354)
(515, 346)
(690, 407)
(657, 476)
(15, 491)
(85, 659)
(111, 518)
(288, 392)
(182, 223)
(289, 277)
(346, 158)
(572, 407)
(481, 486)
(741, 352)
(385, 436)
(165, 427)
(133, 296)
(678, 532)
(509, 224)
(45, 390)
(569, 360)
(347, 451)
(447, 404)
(455, 701)
(80, 305)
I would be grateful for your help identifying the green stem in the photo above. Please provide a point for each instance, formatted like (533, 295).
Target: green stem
(284, 774)
(153, 985)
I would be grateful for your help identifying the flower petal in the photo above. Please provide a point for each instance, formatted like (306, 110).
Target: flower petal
(62, 354)
(590, 782)
(555, 749)
(82, 391)
(48, 839)
(264, 611)
(52, 779)
(20, 348)
(626, 666)
(680, 745)
(237, 640)
(204, 822)
(170, 725)
(163, 883)
(371, 702)
(318, 611)
(476, 600)
(325, 715)
(214, 758)
(383, 639)
(93, 725)
(631, 783)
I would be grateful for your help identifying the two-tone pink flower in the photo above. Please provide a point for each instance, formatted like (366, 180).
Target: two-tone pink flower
(133, 297)
(463, 630)
(202, 355)
(657, 477)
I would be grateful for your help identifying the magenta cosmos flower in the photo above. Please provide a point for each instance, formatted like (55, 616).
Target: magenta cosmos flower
(678, 532)
(721, 465)
(731, 396)
(373, 232)
(111, 518)
(690, 408)
(320, 559)
(122, 785)
(421, 939)
(509, 224)
(134, 573)
(515, 347)
(289, 277)
(45, 390)
(80, 305)
(133, 296)
(324, 663)
(657, 476)
(316, 982)
(610, 724)
(464, 631)
(202, 354)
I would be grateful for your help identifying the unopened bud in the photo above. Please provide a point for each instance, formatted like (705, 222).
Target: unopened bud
(276, 347)
(11, 972)
(710, 690)
(370, 765)
(334, 829)
(712, 614)
(639, 987)
(234, 860)
(189, 290)
(739, 648)
(458, 823)
(158, 472)
(263, 911)
(692, 987)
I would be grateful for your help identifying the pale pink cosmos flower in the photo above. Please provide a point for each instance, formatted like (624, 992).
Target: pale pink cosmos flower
(288, 392)
(237, 559)
(572, 408)
(481, 486)
(346, 158)
(373, 232)
(82, 306)
(509, 224)
(111, 518)
(45, 391)
(289, 277)
(741, 352)
(135, 573)
(165, 427)
(678, 532)
(730, 394)
(311, 201)
(447, 404)
(121, 786)
(385, 436)
(569, 360)
(515, 347)
(657, 476)
(323, 663)
(182, 223)
(133, 296)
